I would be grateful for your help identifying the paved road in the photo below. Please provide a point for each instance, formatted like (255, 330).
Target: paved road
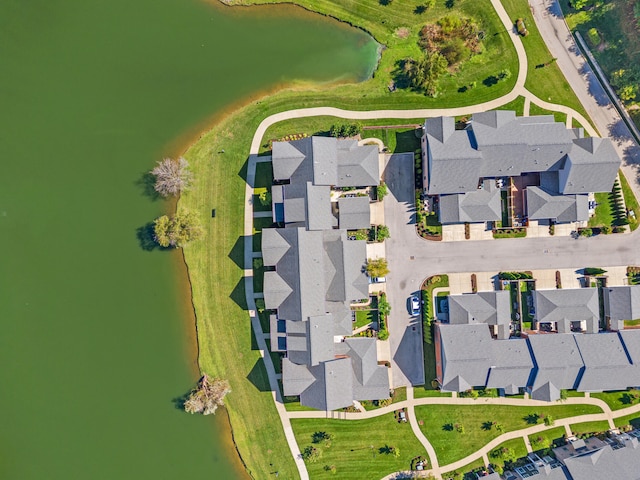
(550, 21)
(405, 330)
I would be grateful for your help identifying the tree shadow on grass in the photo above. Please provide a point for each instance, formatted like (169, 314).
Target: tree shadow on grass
(400, 74)
(258, 377)
(532, 419)
(146, 183)
(490, 81)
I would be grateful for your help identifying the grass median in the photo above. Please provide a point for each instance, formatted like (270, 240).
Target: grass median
(359, 449)
(456, 431)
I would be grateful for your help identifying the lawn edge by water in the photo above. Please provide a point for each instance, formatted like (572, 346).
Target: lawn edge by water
(225, 340)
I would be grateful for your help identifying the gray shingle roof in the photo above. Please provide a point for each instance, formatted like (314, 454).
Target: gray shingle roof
(333, 387)
(491, 308)
(295, 378)
(622, 463)
(498, 143)
(566, 304)
(622, 303)
(326, 161)
(592, 166)
(482, 205)
(466, 352)
(543, 205)
(557, 363)
(631, 340)
(607, 366)
(511, 365)
(354, 212)
(371, 381)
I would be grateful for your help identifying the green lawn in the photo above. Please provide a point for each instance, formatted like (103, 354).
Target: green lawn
(632, 323)
(420, 392)
(536, 110)
(365, 317)
(633, 419)
(397, 140)
(547, 438)
(631, 201)
(516, 445)
(616, 400)
(589, 427)
(358, 448)
(544, 79)
(479, 463)
(603, 214)
(439, 423)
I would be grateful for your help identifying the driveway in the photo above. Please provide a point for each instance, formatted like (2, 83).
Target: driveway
(405, 331)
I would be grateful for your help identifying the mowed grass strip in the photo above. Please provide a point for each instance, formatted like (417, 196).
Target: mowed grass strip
(589, 427)
(547, 438)
(619, 399)
(358, 448)
(544, 78)
(438, 422)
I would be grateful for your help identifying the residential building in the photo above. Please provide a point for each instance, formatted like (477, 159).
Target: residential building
(567, 310)
(549, 168)
(315, 271)
(467, 356)
(620, 304)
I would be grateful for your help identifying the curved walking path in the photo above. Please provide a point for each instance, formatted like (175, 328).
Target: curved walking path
(518, 90)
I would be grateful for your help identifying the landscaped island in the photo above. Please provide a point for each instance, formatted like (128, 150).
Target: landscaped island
(220, 162)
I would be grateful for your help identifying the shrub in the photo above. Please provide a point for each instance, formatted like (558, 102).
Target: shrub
(594, 271)
(594, 37)
(260, 305)
(265, 198)
(585, 232)
(382, 190)
(257, 263)
(521, 27)
(311, 454)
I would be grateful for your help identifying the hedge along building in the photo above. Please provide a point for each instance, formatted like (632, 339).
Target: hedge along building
(468, 168)
(319, 272)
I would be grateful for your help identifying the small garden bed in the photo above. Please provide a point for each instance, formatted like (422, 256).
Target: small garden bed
(519, 232)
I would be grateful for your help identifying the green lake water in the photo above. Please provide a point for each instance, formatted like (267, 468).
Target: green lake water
(95, 339)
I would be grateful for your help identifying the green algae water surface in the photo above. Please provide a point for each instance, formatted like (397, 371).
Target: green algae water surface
(94, 341)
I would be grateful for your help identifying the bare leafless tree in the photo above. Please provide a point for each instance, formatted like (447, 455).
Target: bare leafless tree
(172, 176)
(207, 396)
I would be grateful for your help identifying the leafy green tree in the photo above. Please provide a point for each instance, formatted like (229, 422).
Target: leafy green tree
(377, 267)
(384, 308)
(425, 72)
(177, 230)
(628, 93)
(382, 233)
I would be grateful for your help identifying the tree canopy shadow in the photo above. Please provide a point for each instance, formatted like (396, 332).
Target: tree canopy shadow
(146, 183)
(400, 74)
(146, 238)
(258, 377)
